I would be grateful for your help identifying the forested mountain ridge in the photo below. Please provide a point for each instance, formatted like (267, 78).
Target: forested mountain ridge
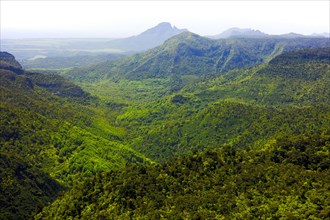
(297, 77)
(191, 54)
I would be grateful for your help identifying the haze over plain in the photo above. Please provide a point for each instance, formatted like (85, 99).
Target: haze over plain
(117, 19)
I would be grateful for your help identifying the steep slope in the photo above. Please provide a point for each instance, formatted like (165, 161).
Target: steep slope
(288, 181)
(148, 39)
(58, 124)
(8, 62)
(24, 189)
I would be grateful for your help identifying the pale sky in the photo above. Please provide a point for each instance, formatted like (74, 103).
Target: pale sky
(114, 19)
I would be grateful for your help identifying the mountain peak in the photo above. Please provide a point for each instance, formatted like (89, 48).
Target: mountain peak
(150, 38)
(164, 24)
(163, 28)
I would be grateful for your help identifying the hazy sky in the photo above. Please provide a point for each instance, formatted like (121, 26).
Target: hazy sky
(27, 19)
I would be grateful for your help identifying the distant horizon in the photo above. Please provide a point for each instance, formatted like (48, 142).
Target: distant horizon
(121, 19)
(112, 38)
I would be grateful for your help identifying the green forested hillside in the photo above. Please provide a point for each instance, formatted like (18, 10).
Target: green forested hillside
(245, 107)
(288, 180)
(58, 121)
(289, 79)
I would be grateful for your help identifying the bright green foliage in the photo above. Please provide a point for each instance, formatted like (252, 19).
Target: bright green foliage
(289, 180)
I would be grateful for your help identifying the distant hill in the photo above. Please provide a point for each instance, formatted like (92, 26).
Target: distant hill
(291, 35)
(251, 33)
(148, 39)
(63, 53)
(324, 34)
(239, 32)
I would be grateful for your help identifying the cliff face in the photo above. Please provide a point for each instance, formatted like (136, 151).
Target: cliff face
(8, 62)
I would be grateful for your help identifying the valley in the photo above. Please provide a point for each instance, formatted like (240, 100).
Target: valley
(190, 128)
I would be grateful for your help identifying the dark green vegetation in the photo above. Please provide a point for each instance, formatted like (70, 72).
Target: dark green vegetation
(231, 128)
(289, 180)
(24, 189)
